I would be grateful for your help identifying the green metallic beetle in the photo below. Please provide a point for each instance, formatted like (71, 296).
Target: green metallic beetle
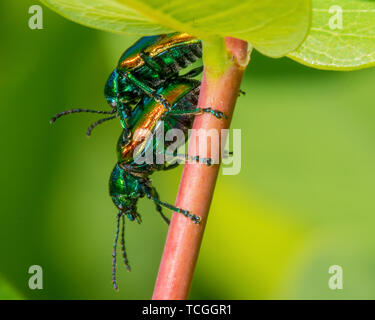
(129, 180)
(141, 70)
(146, 87)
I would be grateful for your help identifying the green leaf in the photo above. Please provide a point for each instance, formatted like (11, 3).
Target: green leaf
(273, 27)
(334, 47)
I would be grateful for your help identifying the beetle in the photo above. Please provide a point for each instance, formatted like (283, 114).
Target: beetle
(141, 70)
(146, 91)
(129, 180)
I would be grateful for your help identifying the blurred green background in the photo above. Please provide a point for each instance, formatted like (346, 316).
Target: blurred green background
(302, 202)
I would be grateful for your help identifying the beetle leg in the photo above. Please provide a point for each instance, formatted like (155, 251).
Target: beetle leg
(193, 73)
(184, 157)
(192, 217)
(146, 89)
(218, 114)
(158, 207)
(170, 166)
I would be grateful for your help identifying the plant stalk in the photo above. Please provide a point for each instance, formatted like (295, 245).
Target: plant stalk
(220, 92)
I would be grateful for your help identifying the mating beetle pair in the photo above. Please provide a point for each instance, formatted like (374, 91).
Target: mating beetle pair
(143, 68)
(144, 89)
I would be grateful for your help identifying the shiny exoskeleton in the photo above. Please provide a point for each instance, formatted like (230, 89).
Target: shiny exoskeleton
(146, 65)
(141, 70)
(129, 180)
(146, 92)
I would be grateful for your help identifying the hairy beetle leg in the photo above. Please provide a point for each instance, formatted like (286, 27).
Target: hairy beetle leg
(159, 208)
(218, 114)
(147, 90)
(192, 217)
(193, 73)
(185, 157)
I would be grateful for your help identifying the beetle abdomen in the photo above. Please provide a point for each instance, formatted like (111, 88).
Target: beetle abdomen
(175, 59)
(164, 54)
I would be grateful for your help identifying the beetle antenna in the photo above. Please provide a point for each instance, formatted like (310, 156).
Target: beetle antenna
(126, 261)
(114, 252)
(95, 124)
(70, 111)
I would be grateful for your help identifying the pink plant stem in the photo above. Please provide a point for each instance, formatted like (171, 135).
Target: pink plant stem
(198, 181)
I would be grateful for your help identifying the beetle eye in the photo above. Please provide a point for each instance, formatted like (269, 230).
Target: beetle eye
(114, 104)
